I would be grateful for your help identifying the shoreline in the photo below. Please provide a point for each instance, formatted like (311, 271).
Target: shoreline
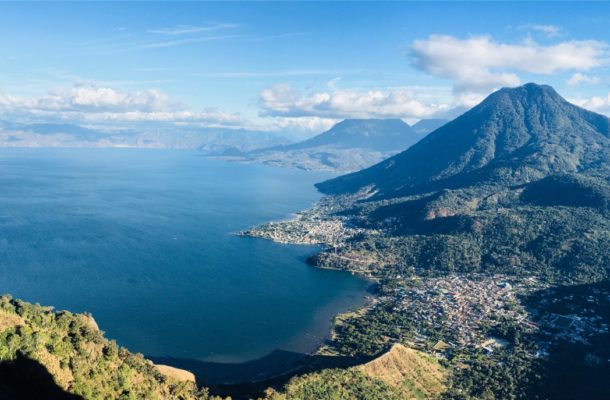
(273, 365)
(309, 227)
(249, 379)
(314, 227)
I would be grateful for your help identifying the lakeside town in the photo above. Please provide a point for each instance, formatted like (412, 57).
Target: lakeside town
(314, 226)
(451, 316)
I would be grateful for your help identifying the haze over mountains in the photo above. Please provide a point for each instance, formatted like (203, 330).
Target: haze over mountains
(210, 141)
(514, 136)
(349, 145)
(425, 126)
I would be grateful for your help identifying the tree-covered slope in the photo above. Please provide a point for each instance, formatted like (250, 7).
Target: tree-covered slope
(569, 190)
(71, 350)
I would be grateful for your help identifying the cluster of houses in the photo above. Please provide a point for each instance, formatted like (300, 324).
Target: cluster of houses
(460, 307)
(313, 226)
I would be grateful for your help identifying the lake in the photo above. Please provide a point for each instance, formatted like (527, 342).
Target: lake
(143, 239)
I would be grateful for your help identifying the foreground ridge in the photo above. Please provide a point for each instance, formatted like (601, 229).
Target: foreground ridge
(81, 362)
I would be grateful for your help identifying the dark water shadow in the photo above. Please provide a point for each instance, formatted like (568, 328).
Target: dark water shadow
(250, 378)
(27, 379)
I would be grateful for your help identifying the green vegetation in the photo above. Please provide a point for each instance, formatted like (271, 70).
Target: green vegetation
(371, 333)
(79, 358)
(510, 372)
(415, 374)
(569, 190)
(335, 384)
(560, 243)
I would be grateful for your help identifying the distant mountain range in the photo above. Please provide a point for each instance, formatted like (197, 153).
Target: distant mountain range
(514, 136)
(349, 145)
(373, 134)
(210, 141)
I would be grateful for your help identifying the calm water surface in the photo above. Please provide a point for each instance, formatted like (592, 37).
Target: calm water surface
(142, 239)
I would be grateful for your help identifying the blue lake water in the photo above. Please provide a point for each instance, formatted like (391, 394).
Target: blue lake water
(143, 240)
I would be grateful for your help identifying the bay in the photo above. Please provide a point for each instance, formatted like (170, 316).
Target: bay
(144, 240)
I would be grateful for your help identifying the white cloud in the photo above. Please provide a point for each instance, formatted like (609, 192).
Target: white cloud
(404, 102)
(579, 78)
(107, 106)
(98, 104)
(480, 64)
(294, 124)
(209, 118)
(103, 99)
(600, 104)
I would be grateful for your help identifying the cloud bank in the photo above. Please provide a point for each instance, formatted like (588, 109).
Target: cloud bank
(480, 64)
(600, 104)
(283, 100)
(99, 104)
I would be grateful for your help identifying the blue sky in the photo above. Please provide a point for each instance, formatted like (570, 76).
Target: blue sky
(290, 65)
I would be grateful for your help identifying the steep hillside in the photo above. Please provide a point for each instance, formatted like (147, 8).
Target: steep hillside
(335, 384)
(514, 136)
(65, 355)
(572, 190)
(509, 199)
(400, 373)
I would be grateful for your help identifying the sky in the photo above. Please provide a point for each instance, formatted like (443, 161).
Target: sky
(290, 66)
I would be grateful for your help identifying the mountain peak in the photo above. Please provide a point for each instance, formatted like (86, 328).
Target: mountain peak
(530, 91)
(535, 88)
(375, 134)
(514, 136)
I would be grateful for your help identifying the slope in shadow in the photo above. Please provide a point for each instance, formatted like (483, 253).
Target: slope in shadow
(250, 378)
(26, 379)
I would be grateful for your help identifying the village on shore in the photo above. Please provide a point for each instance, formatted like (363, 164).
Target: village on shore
(450, 314)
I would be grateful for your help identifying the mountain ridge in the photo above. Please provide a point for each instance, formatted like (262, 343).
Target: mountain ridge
(514, 136)
(349, 145)
(375, 133)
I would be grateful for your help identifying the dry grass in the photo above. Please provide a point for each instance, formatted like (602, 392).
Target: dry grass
(180, 375)
(8, 320)
(418, 375)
